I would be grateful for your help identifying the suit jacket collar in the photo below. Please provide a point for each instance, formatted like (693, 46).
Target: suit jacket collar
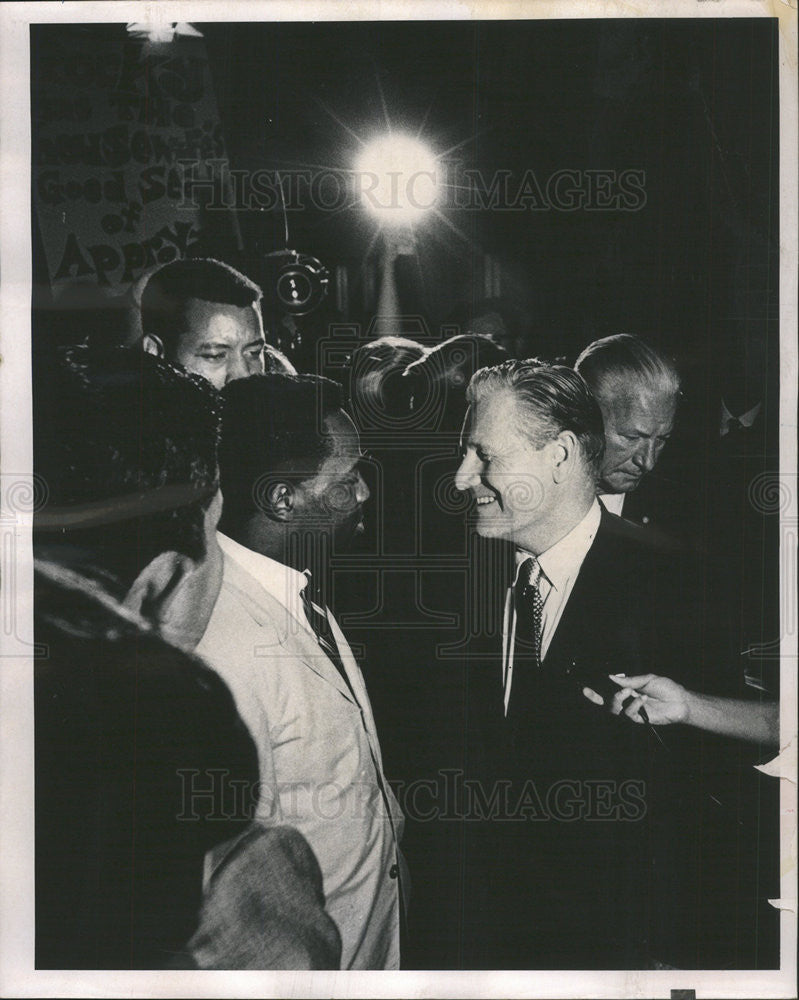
(562, 561)
(270, 591)
(593, 598)
(282, 582)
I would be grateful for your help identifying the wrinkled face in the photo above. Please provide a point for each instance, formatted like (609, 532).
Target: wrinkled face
(510, 479)
(332, 500)
(637, 426)
(221, 342)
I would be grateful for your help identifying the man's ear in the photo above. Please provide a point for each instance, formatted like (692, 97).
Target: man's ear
(280, 501)
(152, 345)
(155, 586)
(564, 448)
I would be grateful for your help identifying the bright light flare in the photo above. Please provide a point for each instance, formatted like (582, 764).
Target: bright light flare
(159, 31)
(398, 179)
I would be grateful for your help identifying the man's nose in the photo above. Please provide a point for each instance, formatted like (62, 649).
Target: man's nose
(646, 455)
(236, 368)
(468, 474)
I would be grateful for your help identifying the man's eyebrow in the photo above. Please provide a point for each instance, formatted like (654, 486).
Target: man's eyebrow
(211, 345)
(260, 342)
(641, 433)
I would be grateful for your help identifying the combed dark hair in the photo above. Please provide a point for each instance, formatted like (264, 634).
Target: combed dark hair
(377, 387)
(468, 352)
(442, 375)
(550, 398)
(126, 445)
(271, 423)
(624, 362)
(169, 288)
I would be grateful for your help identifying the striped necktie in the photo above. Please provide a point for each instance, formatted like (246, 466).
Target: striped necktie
(316, 613)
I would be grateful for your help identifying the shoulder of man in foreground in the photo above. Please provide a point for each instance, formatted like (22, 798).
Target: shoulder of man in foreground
(672, 588)
(264, 908)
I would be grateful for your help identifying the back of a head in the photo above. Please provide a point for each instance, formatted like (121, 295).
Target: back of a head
(625, 364)
(126, 445)
(377, 386)
(550, 399)
(271, 423)
(390, 351)
(468, 352)
(168, 289)
(445, 371)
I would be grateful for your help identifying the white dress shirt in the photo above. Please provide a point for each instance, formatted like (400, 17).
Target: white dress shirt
(613, 502)
(319, 756)
(560, 566)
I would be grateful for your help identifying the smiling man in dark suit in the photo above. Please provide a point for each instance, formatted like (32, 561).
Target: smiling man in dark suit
(585, 870)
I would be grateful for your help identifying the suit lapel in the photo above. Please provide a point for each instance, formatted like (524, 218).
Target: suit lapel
(583, 611)
(282, 628)
(601, 630)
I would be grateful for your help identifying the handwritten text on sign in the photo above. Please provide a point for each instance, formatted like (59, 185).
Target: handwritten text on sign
(115, 124)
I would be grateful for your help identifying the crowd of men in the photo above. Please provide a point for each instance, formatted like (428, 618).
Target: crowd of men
(571, 779)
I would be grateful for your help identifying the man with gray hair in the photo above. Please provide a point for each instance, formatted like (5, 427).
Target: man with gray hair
(638, 390)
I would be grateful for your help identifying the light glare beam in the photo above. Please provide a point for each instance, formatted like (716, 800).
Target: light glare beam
(399, 179)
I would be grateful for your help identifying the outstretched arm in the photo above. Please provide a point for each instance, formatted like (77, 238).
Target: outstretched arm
(662, 701)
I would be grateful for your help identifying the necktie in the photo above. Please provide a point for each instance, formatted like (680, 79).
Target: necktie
(316, 613)
(529, 610)
(529, 626)
(734, 427)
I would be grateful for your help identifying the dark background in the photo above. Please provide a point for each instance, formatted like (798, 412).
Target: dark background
(691, 103)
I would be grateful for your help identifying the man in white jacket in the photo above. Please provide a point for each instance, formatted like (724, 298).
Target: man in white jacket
(289, 465)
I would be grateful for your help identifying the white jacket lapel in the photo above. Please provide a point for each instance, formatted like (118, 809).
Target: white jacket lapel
(283, 634)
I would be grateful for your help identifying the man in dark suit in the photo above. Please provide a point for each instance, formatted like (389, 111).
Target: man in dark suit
(586, 857)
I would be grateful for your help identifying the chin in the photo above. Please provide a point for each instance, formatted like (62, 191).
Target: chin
(346, 534)
(485, 529)
(625, 485)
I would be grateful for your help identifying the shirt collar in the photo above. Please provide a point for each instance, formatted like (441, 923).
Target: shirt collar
(745, 419)
(562, 561)
(613, 502)
(282, 582)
